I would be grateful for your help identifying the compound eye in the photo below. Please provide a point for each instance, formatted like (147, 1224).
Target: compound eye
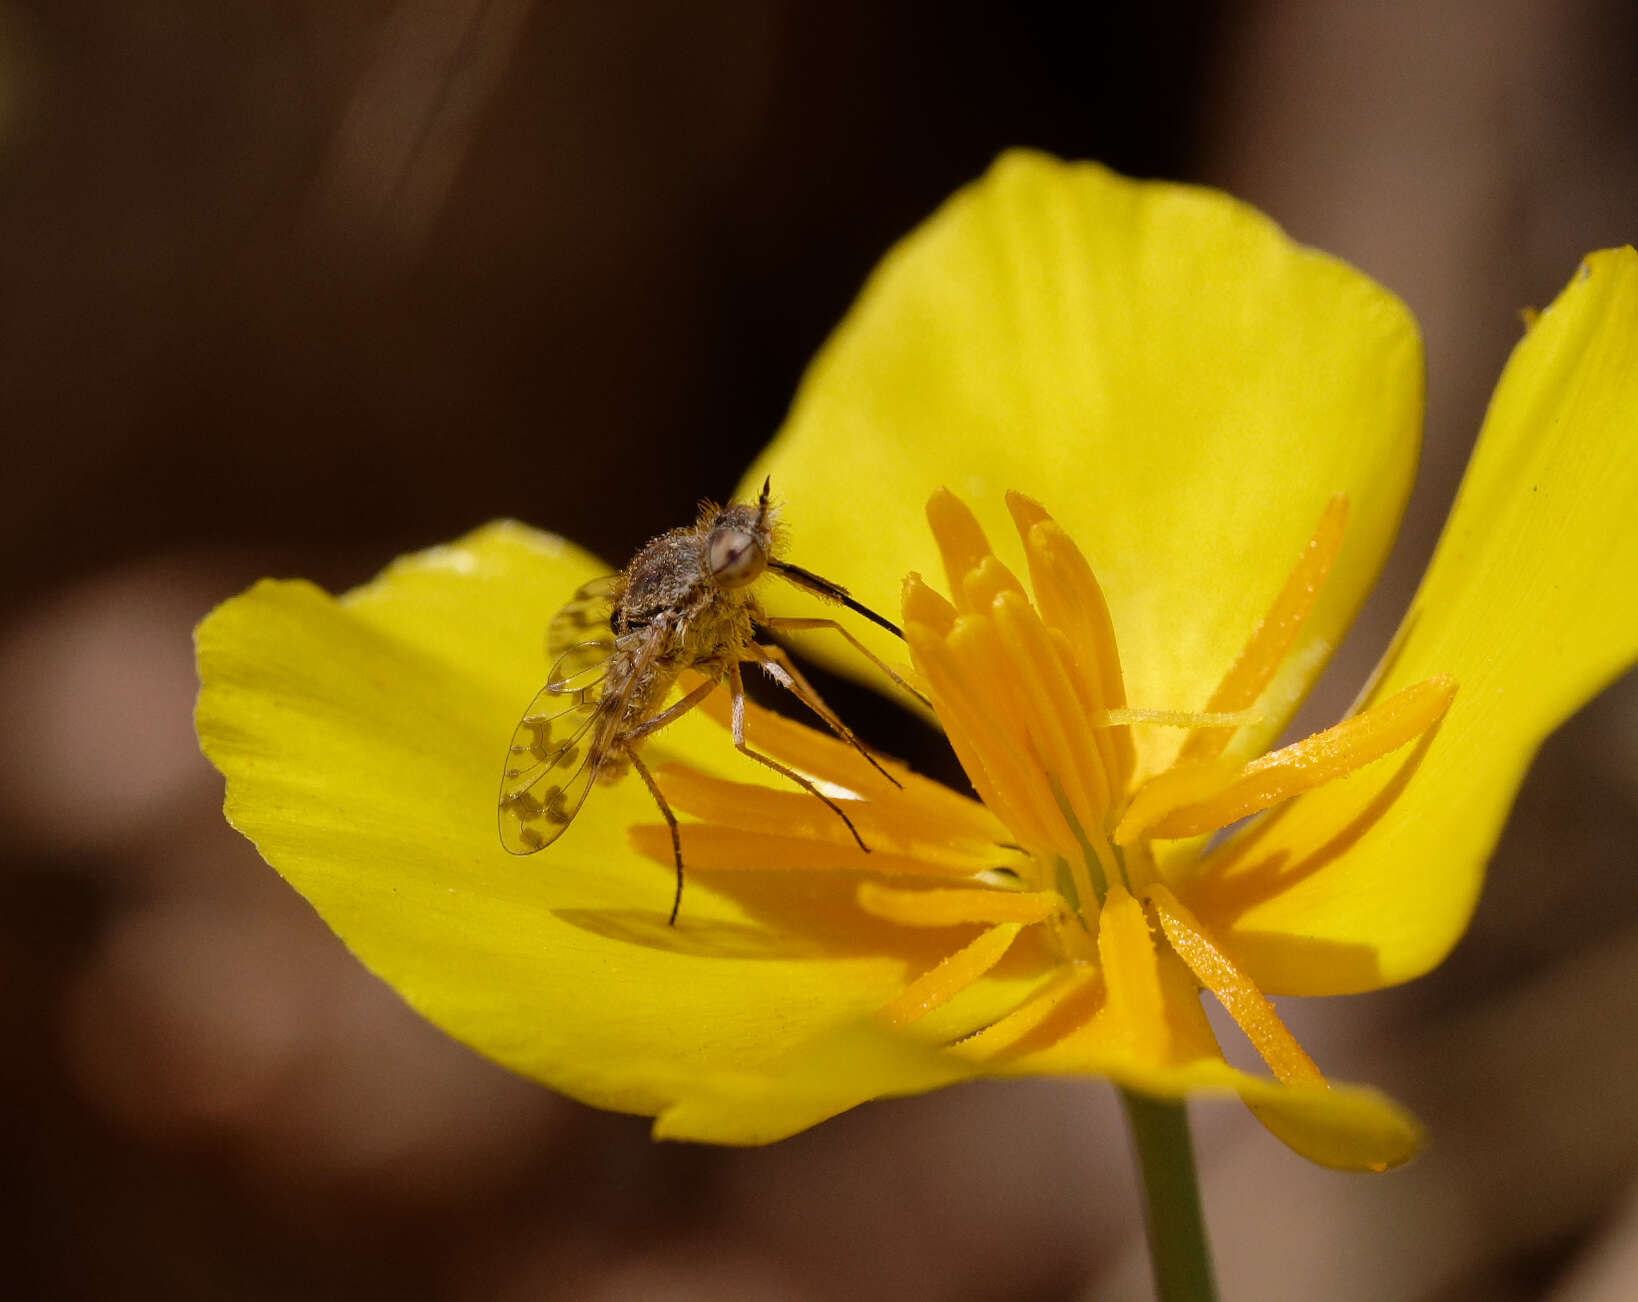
(736, 558)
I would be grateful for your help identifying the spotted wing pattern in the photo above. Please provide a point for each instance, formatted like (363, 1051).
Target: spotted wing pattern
(584, 619)
(554, 757)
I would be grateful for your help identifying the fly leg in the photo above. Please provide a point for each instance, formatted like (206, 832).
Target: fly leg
(672, 712)
(628, 744)
(796, 625)
(736, 690)
(670, 821)
(784, 672)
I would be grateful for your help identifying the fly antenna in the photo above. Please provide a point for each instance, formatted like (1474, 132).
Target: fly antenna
(811, 582)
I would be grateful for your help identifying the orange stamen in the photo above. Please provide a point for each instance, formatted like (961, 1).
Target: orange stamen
(986, 581)
(1070, 600)
(906, 828)
(1174, 718)
(993, 706)
(961, 541)
(955, 906)
(1182, 787)
(998, 1037)
(1181, 802)
(1067, 750)
(924, 606)
(729, 849)
(1131, 975)
(988, 755)
(1236, 991)
(1273, 639)
(953, 975)
(823, 756)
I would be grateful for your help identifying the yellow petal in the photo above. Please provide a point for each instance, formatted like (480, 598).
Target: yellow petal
(1350, 1127)
(363, 740)
(1346, 1126)
(1266, 650)
(838, 1070)
(1531, 603)
(1182, 387)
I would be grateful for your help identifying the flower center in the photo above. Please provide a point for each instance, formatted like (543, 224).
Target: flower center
(1089, 832)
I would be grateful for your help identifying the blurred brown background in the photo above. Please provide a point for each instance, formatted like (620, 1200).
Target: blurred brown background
(293, 287)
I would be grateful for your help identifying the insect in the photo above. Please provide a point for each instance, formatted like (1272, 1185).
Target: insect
(618, 647)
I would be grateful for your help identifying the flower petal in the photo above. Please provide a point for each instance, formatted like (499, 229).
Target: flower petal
(1349, 1127)
(363, 739)
(1531, 605)
(1178, 383)
(838, 1070)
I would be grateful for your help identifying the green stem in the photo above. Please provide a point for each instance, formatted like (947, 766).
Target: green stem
(1178, 1250)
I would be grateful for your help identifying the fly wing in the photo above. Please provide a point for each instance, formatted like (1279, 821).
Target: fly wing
(551, 765)
(556, 750)
(584, 619)
(580, 668)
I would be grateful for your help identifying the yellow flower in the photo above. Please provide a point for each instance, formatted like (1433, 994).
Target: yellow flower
(1070, 837)
(1225, 427)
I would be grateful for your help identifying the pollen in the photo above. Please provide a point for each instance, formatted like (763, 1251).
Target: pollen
(1027, 683)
